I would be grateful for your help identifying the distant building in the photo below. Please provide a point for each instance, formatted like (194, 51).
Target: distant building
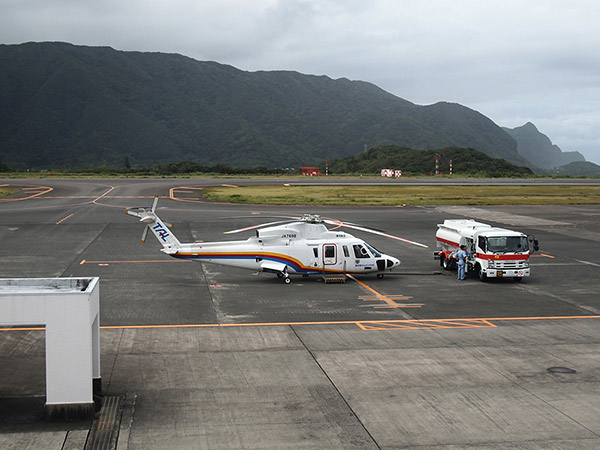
(310, 171)
(391, 173)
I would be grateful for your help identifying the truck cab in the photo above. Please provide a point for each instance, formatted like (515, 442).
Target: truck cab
(500, 253)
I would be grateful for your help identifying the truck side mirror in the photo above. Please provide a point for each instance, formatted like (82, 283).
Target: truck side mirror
(534, 241)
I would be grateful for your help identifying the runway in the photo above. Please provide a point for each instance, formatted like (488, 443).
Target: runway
(207, 356)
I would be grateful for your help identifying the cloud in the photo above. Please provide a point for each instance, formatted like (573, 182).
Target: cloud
(514, 61)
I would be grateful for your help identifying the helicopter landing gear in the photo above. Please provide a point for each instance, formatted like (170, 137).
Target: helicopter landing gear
(285, 276)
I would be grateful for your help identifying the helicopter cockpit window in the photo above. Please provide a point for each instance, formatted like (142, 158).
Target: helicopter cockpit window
(316, 252)
(360, 251)
(373, 250)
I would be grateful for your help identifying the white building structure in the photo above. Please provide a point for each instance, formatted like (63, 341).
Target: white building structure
(69, 309)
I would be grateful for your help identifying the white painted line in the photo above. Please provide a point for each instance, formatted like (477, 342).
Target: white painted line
(588, 263)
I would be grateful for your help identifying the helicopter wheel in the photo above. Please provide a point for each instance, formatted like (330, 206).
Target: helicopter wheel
(380, 276)
(287, 280)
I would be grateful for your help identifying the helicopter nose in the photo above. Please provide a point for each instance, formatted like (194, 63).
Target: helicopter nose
(392, 262)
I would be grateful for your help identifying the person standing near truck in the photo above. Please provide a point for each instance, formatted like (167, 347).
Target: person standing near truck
(461, 261)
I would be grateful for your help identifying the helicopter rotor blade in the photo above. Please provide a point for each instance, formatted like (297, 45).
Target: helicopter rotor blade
(372, 231)
(154, 203)
(312, 218)
(239, 230)
(144, 234)
(261, 216)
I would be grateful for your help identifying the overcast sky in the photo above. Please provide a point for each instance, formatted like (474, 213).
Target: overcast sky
(514, 61)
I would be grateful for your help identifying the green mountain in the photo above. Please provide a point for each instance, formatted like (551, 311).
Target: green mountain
(579, 168)
(539, 150)
(75, 107)
(465, 161)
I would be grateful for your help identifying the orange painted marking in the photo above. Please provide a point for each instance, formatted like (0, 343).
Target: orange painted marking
(41, 191)
(391, 297)
(542, 255)
(23, 329)
(390, 303)
(367, 325)
(416, 305)
(64, 218)
(426, 324)
(176, 191)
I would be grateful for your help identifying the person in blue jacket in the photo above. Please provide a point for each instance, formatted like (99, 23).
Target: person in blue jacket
(461, 261)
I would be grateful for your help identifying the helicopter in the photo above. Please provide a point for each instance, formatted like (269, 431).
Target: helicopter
(297, 245)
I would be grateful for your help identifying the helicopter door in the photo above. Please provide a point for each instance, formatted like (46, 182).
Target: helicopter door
(329, 255)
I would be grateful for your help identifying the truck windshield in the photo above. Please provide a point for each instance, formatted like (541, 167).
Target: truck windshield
(508, 244)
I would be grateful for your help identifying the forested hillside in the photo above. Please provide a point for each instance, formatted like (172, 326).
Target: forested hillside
(77, 107)
(465, 161)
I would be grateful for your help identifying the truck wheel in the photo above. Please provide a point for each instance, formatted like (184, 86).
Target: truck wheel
(482, 274)
(445, 263)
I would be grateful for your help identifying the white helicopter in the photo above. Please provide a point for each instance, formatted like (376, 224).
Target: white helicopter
(300, 245)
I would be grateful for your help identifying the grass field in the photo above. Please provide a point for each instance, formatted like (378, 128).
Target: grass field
(406, 195)
(4, 192)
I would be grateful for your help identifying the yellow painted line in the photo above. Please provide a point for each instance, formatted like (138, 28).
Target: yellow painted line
(64, 218)
(363, 324)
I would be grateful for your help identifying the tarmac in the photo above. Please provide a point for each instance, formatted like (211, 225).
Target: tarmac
(211, 357)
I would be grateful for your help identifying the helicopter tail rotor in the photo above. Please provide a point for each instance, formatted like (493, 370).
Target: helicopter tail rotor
(159, 228)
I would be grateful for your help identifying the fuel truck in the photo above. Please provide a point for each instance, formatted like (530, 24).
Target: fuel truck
(494, 252)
